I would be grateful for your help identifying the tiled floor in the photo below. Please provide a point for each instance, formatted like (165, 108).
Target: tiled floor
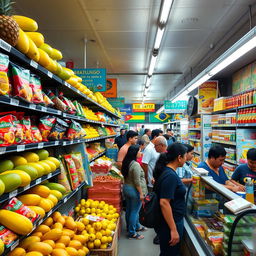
(144, 247)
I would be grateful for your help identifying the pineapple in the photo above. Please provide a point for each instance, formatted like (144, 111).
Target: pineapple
(9, 29)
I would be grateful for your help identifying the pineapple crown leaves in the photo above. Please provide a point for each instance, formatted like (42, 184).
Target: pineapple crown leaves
(6, 7)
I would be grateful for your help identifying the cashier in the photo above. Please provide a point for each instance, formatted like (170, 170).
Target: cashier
(213, 165)
(244, 171)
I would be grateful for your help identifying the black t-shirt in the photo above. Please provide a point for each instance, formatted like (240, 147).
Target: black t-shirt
(172, 188)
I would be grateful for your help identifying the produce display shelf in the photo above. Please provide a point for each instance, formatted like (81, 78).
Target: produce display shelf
(33, 183)
(99, 155)
(224, 125)
(196, 164)
(198, 140)
(247, 125)
(39, 222)
(247, 106)
(42, 71)
(231, 161)
(233, 143)
(196, 152)
(194, 129)
(99, 138)
(224, 111)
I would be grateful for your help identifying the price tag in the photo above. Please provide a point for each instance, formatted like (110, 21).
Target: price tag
(2, 150)
(38, 181)
(64, 143)
(65, 115)
(65, 200)
(33, 64)
(40, 145)
(68, 85)
(49, 213)
(49, 74)
(20, 148)
(56, 143)
(40, 222)
(32, 106)
(44, 109)
(78, 141)
(58, 112)
(26, 188)
(13, 193)
(15, 245)
(14, 102)
(49, 176)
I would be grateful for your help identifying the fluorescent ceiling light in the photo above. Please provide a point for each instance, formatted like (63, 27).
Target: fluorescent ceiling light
(148, 82)
(166, 7)
(152, 65)
(146, 89)
(197, 83)
(181, 97)
(159, 37)
(160, 110)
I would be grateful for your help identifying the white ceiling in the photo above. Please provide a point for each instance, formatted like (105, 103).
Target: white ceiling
(124, 31)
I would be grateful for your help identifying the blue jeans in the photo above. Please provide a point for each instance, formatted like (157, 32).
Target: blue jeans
(133, 205)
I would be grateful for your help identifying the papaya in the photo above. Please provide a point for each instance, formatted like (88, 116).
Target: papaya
(34, 253)
(53, 198)
(54, 234)
(25, 23)
(11, 181)
(42, 228)
(40, 190)
(56, 54)
(33, 52)
(29, 169)
(30, 199)
(46, 204)
(56, 186)
(6, 165)
(38, 210)
(17, 252)
(36, 37)
(56, 193)
(17, 223)
(59, 252)
(38, 167)
(44, 58)
(44, 248)
(54, 160)
(72, 80)
(29, 240)
(25, 178)
(2, 189)
(52, 66)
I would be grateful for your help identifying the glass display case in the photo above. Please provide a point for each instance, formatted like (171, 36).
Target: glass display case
(210, 227)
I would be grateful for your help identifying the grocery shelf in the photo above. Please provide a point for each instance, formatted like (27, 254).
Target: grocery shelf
(39, 222)
(224, 126)
(20, 57)
(99, 155)
(198, 140)
(99, 138)
(233, 143)
(231, 161)
(224, 111)
(247, 125)
(194, 129)
(33, 183)
(247, 106)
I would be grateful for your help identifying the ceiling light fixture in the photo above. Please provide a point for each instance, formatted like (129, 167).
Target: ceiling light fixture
(160, 110)
(152, 65)
(159, 37)
(148, 81)
(165, 10)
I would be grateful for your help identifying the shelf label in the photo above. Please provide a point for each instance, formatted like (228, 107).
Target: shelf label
(64, 143)
(20, 148)
(32, 106)
(40, 222)
(14, 102)
(26, 188)
(44, 109)
(49, 176)
(59, 112)
(38, 181)
(67, 84)
(78, 141)
(33, 64)
(2, 150)
(49, 74)
(13, 193)
(49, 213)
(5, 46)
(15, 244)
(65, 115)
(40, 145)
(65, 200)
(56, 143)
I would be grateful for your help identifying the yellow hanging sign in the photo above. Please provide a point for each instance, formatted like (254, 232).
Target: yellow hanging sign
(146, 107)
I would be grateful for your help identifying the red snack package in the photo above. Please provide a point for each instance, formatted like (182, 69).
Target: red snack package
(36, 135)
(7, 236)
(4, 80)
(75, 131)
(58, 131)
(17, 206)
(46, 101)
(36, 86)
(7, 130)
(21, 87)
(58, 104)
(46, 124)
(78, 161)
(72, 171)
(71, 108)
(27, 134)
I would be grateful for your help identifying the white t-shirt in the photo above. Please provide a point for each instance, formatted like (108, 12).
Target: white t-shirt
(150, 157)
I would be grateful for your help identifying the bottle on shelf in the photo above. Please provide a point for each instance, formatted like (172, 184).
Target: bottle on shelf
(249, 189)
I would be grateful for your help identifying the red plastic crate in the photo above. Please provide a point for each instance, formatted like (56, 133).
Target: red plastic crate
(106, 192)
(106, 185)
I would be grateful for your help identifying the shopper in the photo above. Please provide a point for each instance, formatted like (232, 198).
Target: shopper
(149, 159)
(248, 170)
(171, 193)
(121, 139)
(185, 172)
(135, 188)
(146, 136)
(213, 165)
(140, 154)
(142, 131)
(132, 138)
(171, 136)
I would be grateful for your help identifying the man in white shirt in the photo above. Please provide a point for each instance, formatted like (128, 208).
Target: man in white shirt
(150, 156)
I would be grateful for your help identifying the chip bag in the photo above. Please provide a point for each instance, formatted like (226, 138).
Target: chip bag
(45, 126)
(7, 236)
(63, 178)
(75, 131)
(47, 101)
(27, 134)
(78, 161)
(7, 130)
(36, 86)
(58, 131)
(58, 104)
(4, 80)
(36, 134)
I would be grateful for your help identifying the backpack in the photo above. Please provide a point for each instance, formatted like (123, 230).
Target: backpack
(150, 211)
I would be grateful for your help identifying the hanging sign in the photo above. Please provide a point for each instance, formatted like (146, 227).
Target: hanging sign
(117, 102)
(146, 107)
(175, 107)
(111, 88)
(93, 78)
(135, 118)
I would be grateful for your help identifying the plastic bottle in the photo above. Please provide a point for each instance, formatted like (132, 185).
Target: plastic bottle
(249, 189)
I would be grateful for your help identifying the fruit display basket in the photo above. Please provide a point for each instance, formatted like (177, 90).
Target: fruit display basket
(113, 250)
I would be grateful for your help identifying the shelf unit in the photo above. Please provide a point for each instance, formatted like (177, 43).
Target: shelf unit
(231, 161)
(198, 140)
(180, 128)
(232, 143)
(53, 82)
(99, 155)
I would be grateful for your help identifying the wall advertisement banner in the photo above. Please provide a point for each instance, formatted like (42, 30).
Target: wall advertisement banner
(146, 107)
(111, 88)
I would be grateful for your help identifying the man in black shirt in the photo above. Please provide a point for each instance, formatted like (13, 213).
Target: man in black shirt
(121, 139)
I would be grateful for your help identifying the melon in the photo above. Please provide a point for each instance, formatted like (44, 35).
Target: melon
(11, 181)
(32, 171)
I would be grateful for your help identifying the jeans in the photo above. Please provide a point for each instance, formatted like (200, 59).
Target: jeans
(165, 237)
(133, 205)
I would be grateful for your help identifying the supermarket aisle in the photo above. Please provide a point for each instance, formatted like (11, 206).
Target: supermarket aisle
(135, 247)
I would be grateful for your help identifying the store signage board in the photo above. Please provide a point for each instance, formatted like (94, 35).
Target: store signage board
(175, 107)
(146, 107)
(207, 134)
(135, 118)
(93, 78)
(207, 93)
(111, 88)
(127, 109)
(117, 102)
(158, 118)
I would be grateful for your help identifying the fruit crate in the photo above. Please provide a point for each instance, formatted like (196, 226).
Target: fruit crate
(113, 250)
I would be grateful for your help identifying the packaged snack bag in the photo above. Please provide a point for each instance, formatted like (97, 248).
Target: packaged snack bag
(75, 131)
(45, 126)
(79, 109)
(19, 136)
(7, 236)
(58, 104)
(72, 171)
(36, 86)
(26, 125)
(70, 107)
(36, 135)
(4, 80)
(17, 206)
(21, 87)
(58, 131)
(47, 101)
(78, 161)
(7, 130)
(63, 178)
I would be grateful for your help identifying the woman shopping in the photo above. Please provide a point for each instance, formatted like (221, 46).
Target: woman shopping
(171, 193)
(135, 188)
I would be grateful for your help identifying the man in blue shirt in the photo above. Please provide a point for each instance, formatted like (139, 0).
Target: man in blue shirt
(213, 165)
(244, 171)
(121, 139)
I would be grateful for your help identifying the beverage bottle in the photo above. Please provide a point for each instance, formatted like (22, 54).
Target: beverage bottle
(249, 189)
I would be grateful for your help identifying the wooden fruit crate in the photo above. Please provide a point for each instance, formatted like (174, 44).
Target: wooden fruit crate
(113, 250)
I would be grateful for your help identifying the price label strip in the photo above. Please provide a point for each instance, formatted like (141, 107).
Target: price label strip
(14, 102)
(40, 145)
(13, 193)
(49, 74)
(38, 181)
(5, 46)
(15, 244)
(20, 148)
(32, 106)
(2, 150)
